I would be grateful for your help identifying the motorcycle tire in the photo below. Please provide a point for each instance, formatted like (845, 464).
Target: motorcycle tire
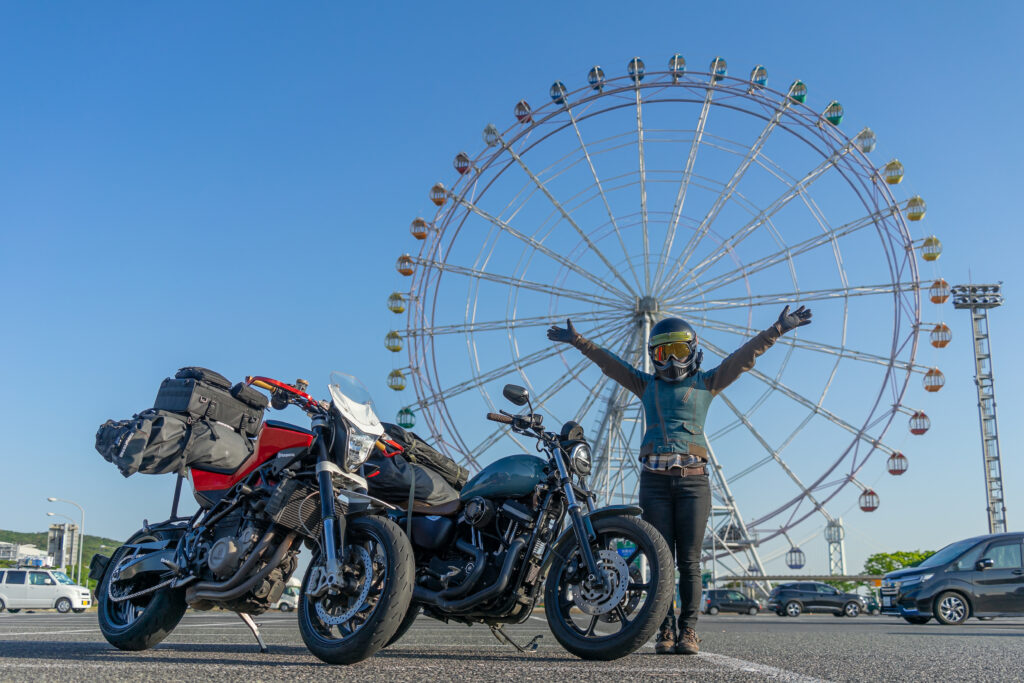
(161, 613)
(386, 616)
(645, 625)
(407, 621)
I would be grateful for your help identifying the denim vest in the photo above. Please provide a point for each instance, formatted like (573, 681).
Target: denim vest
(675, 413)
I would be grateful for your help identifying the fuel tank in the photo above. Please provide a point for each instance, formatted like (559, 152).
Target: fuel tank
(509, 477)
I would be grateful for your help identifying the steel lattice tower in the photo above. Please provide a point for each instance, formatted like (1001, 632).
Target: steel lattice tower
(978, 299)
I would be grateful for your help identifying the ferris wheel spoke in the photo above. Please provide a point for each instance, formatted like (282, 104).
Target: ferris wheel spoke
(772, 453)
(643, 188)
(684, 183)
(730, 186)
(804, 296)
(600, 189)
(539, 246)
(512, 323)
(819, 347)
(565, 214)
(780, 256)
(815, 407)
(489, 376)
(545, 395)
(514, 282)
(794, 190)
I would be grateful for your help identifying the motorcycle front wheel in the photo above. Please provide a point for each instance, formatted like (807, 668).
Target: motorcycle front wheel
(136, 623)
(607, 621)
(348, 625)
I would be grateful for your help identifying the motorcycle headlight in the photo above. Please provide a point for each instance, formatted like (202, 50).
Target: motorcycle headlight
(359, 447)
(579, 457)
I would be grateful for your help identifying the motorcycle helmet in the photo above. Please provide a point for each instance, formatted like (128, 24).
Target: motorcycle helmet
(673, 349)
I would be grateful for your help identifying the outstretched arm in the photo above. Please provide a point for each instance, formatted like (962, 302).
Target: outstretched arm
(613, 366)
(743, 358)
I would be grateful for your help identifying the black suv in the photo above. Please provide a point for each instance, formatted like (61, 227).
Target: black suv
(976, 577)
(728, 601)
(793, 599)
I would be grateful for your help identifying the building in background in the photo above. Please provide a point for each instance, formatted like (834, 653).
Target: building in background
(25, 553)
(62, 544)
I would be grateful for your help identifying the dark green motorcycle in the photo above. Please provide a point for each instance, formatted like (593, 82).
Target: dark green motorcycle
(489, 557)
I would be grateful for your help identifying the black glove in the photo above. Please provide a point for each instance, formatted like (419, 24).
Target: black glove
(569, 335)
(798, 318)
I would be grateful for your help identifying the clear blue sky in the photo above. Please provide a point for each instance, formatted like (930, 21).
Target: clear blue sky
(229, 186)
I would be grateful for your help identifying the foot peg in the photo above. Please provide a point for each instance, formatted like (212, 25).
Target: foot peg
(503, 638)
(254, 627)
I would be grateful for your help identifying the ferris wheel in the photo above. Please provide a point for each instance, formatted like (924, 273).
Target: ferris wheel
(691, 194)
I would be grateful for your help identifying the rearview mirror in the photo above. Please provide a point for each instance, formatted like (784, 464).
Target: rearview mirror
(516, 394)
(983, 564)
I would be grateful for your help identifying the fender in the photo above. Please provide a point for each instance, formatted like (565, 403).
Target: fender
(600, 513)
(172, 533)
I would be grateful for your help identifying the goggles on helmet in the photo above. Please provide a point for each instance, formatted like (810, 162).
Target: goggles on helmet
(678, 344)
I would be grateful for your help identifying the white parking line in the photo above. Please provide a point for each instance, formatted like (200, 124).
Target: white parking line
(737, 664)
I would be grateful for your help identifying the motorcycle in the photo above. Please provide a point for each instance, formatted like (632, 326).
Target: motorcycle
(607, 580)
(239, 549)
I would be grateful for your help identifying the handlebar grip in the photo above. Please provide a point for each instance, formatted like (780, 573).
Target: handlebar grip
(498, 417)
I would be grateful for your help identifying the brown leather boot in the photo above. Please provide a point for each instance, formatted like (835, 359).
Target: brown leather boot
(666, 643)
(689, 643)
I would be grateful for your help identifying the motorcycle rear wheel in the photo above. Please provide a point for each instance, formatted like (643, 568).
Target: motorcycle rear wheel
(141, 623)
(636, 626)
(366, 627)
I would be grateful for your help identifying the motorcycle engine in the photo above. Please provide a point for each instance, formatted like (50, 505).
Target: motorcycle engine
(225, 555)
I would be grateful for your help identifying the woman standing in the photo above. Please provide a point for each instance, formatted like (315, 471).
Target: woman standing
(674, 490)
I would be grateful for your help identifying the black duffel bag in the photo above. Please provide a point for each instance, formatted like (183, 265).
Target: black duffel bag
(204, 395)
(160, 442)
(419, 452)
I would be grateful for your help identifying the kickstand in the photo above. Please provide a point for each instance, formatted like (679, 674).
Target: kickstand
(254, 627)
(503, 638)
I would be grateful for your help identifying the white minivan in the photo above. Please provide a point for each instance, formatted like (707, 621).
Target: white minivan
(41, 589)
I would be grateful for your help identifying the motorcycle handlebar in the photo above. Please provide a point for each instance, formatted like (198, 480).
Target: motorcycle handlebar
(498, 417)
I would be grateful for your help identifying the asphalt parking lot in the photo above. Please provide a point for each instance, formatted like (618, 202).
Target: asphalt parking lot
(217, 646)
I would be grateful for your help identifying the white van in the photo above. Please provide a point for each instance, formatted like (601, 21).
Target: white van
(41, 589)
(289, 599)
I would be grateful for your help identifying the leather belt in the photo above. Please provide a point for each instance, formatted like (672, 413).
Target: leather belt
(690, 471)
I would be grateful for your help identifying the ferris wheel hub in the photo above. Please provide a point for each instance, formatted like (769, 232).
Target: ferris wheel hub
(647, 306)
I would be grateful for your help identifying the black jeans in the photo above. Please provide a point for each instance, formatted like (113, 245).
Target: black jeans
(678, 507)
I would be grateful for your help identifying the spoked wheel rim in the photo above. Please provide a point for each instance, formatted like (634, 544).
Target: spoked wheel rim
(340, 615)
(584, 605)
(852, 610)
(793, 609)
(952, 609)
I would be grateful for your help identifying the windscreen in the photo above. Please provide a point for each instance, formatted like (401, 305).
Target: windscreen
(353, 401)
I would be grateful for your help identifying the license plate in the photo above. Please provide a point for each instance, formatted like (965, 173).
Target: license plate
(886, 602)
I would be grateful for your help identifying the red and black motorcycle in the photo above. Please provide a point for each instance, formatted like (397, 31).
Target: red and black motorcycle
(239, 550)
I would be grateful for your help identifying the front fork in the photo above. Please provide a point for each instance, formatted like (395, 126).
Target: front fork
(581, 525)
(333, 524)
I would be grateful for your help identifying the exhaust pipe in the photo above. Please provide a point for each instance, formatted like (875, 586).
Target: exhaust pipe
(242, 571)
(436, 598)
(193, 594)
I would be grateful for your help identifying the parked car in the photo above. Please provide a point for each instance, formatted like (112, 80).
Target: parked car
(872, 605)
(715, 601)
(979, 577)
(289, 599)
(41, 589)
(793, 599)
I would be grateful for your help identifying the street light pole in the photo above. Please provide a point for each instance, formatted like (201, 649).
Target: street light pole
(81, 534)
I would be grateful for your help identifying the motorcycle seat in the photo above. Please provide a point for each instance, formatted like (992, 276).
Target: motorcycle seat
(449, 509)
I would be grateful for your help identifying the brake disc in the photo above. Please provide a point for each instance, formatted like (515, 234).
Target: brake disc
(335, 620)
(597, 600)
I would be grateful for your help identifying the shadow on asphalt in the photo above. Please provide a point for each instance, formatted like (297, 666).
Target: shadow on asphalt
(101, 652)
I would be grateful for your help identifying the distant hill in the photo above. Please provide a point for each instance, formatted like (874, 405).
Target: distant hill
(90, 547)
